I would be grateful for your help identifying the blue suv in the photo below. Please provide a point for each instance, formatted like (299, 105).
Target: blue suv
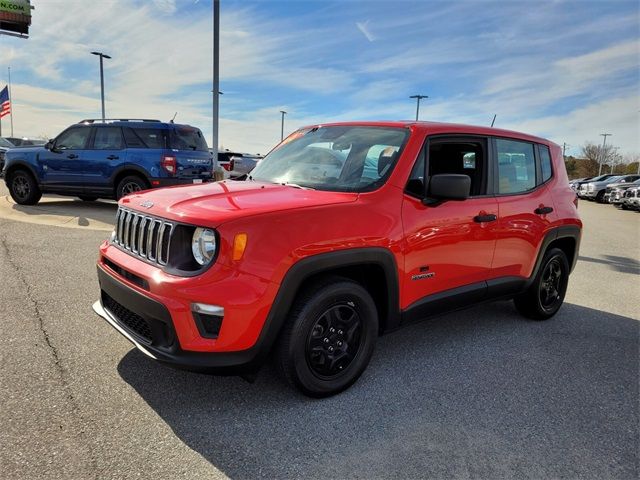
(95, 159)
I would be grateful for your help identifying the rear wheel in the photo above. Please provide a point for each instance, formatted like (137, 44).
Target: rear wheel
(23, 188)
(545, 295)
(329, 337)
(129, 185)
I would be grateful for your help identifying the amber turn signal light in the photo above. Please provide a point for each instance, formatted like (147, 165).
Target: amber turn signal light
(239, 244)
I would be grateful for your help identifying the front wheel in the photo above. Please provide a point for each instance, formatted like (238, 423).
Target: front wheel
(544, 297)
(329, 337)
(23, 188)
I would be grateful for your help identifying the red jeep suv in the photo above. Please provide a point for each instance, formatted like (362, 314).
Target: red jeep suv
(343, 232)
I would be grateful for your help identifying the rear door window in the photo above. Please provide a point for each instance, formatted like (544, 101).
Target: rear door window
(516, 166)
(108, 138)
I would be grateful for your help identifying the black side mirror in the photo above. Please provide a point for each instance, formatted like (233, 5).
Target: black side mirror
(449, 187)
(49, 145)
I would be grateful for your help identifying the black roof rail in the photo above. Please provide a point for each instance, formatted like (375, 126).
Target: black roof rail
(111, 120)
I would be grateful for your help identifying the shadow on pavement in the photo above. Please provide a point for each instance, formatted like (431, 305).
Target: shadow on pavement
(99, 211)
(619, 264)
(480, 393)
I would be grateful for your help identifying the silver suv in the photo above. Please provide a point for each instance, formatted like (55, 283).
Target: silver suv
(596, 188)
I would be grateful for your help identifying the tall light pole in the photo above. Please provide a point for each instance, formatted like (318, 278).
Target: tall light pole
(602, 157)
(101, 55)
(216, 76)
(418, 98)
(282, 125)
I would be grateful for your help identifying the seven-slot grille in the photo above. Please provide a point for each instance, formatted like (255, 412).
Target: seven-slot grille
(143, 236)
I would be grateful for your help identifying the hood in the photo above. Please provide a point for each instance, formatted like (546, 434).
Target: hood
(21, 151)
(212, 204)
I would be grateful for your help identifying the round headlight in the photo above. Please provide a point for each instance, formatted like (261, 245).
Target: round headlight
(203, 245)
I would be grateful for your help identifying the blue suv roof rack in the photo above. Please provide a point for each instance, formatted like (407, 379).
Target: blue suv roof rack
(112, 120)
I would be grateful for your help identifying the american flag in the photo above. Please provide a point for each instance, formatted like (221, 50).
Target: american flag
(5, 102)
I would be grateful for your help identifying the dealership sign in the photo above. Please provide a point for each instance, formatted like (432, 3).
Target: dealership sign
(15, 17)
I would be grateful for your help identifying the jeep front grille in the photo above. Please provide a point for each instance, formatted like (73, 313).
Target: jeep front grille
(143, 236)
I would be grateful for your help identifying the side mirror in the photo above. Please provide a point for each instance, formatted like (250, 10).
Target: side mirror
(449, 187)
(49, 145)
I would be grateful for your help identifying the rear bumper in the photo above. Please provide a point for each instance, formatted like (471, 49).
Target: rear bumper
(171, 181)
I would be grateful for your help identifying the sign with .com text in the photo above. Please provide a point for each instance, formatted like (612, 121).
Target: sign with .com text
(15, 17)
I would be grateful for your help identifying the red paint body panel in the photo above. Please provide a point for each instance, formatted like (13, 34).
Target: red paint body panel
(286, 224)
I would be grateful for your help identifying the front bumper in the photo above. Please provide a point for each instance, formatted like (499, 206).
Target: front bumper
(164, 346)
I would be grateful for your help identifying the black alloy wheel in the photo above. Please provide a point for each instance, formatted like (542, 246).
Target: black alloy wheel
(334, 340)
(23, 188)
(329, 336)
(550, 285)
(544, 297)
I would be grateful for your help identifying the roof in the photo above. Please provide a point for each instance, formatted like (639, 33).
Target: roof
(441, 128)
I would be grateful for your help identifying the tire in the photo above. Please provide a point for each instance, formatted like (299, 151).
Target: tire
(328, 338)
(544, 297)
(130, 184)
(23, 188)
(86, 198)
(600, 197)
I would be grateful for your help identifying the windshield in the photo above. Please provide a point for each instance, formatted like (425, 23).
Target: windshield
(5, 143)
(335, 158)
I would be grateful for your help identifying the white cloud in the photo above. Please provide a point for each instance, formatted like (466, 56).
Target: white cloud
(364, 28)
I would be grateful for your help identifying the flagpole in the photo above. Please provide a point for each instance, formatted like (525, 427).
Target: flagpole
(10, 100)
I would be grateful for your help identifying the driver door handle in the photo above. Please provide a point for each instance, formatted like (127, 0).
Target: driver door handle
(72, 156)
(113, 157)
(485, 218)
(543, 210)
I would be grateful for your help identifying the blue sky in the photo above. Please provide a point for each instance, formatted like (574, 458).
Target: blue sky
(563, 70)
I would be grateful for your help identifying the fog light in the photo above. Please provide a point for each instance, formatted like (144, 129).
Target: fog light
(208, 319)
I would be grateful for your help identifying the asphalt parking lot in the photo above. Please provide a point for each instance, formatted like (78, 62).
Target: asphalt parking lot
(475, 394)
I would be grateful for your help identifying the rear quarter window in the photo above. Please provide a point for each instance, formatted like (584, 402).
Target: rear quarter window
(145, 137)
(545, 163)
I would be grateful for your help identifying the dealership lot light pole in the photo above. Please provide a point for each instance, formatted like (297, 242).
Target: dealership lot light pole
(101, 55)
(216, 74)
(602, 155)
(418, 98)
(282, 125)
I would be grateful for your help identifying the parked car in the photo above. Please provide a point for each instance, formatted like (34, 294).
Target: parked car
(237, 165)
(575, 183)
(4, 146)
(25, 142)
(631, 199)
(595, 189)
(312, 261)
(582, 188)
(95, 159)
(613, 191)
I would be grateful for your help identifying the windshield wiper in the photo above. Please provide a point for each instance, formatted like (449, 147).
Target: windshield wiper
(295, 185)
